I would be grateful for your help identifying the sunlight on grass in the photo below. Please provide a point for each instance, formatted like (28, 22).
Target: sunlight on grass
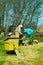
(29, 55)
(2, 61)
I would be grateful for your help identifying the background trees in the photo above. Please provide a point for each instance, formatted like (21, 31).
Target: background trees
(14, 12)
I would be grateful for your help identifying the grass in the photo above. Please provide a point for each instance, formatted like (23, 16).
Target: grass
(2, 61)
(2, 38)
(40, 52)
(29, 55)
(40, 39)
(2, 52)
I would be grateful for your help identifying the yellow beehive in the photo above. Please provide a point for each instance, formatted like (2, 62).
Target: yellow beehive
(8, 47)
(11, 44)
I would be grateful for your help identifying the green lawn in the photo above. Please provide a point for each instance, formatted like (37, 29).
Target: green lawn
(2, 61)
(32, 54)
(40, 39)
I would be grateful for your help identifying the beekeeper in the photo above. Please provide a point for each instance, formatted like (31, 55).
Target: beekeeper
(18, 30)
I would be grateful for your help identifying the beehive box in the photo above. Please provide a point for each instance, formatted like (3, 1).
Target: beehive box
(11, 44)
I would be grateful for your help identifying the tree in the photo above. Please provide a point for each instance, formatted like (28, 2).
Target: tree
(26, 12)
(2, 10)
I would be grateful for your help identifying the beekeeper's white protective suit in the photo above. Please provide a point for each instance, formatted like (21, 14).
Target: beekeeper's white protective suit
(18, 30)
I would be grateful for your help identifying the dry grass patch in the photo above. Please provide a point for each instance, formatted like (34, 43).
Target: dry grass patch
(29, 55)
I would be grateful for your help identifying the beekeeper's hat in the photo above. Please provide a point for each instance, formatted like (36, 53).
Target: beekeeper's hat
(21, 25)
